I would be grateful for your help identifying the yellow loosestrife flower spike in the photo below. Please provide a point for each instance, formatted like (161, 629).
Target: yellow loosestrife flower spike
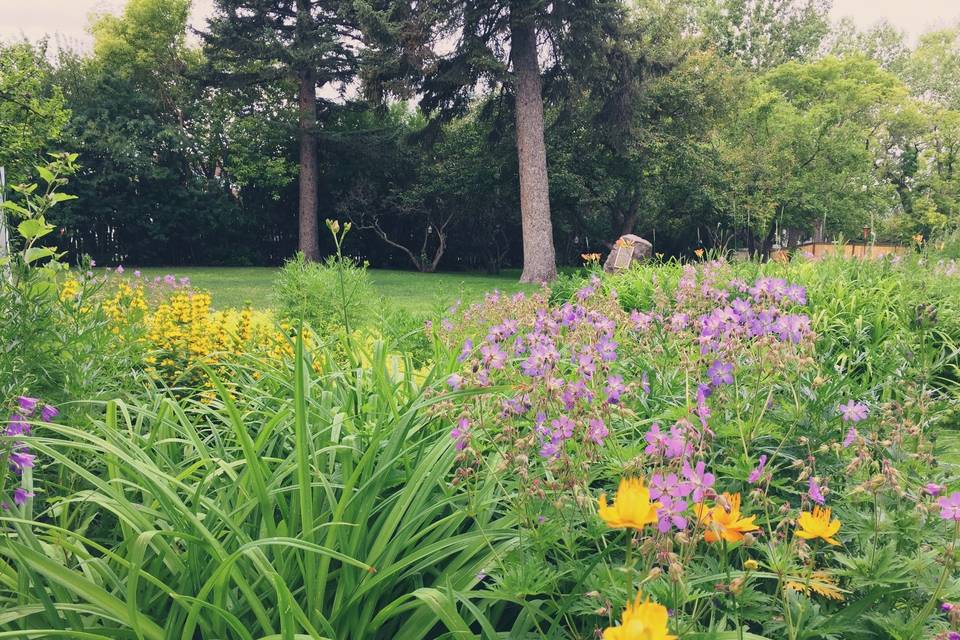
(818, 525)
(631, 508)
(724, 524)
(641, 621)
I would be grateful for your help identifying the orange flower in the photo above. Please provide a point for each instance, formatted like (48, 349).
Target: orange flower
(698, 252)
(631, 507)
(590, 257)
(641, 621)
(818, 525)
(725, 523)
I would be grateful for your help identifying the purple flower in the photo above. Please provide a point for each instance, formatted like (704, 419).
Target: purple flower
(17, 425)
(953, 635)
(455, 381)
(137, 274)
(946, 607)
(493, 356)
(596, 430)
(170, 280)
(700, 481)
(813, 490)
(27, 404)
(614, 389)
(120, 270)
(668, 485)
(933, 489)
(21, 495)
(853, 411)
(466, 350)
(757, 473)
(720, 373)
(670, 514)
(850, 437)
(461, 433)
(645, 383)
(49, 412)
(20, 460)
(950, 506)
(656, 440)
(607, 349)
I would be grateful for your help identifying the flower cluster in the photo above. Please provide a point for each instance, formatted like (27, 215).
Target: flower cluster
(16, 452)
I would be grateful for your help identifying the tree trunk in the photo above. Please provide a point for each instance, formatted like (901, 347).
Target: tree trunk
(309, 229)
(539, 258)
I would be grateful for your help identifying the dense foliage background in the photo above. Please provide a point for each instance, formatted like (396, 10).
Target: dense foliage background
(736, 122)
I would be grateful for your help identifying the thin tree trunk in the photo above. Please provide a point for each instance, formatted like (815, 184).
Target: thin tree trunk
(309, 230)
(539, 258)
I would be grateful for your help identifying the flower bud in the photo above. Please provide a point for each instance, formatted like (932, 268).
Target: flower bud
(676, 571)
(751, 565)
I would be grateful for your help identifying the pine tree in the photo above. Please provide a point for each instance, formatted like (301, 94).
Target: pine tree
(306, 44)
(455, 46)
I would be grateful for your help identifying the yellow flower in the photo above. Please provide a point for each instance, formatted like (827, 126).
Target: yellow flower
(751, 565)
(725, 523)
(590, 257)
(918, 238)
(631, 507)
(698, 252)
(818, 525)
(641, 621)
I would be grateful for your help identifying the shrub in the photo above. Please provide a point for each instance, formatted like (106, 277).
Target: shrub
(330, 296)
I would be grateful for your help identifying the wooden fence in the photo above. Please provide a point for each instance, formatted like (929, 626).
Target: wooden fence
(849, 250)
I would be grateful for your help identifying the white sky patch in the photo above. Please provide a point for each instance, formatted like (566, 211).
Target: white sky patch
(66, 21)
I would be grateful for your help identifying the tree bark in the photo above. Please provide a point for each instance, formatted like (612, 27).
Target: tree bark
(539, 257)
(307, 129)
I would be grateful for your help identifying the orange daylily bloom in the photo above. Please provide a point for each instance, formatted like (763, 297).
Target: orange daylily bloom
(641, 621)
(722, 523)
(818, 525)
(631, 507)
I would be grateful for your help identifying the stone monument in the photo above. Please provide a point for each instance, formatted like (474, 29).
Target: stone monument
(627, 249)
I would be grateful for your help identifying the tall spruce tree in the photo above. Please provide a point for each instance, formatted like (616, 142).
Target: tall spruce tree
(307, 44)
(523, 49)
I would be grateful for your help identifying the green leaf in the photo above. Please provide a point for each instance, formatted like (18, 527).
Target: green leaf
(46, 174)
(61, 197)
(38, 253)
(34, 228)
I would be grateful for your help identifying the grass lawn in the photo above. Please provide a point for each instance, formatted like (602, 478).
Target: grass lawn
(415, 292)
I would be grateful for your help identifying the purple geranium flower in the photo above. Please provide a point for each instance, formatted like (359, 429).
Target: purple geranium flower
(757, 473)
(671, 514)
(720, 373)
(596, 430)
(813, 490)
(700, 481)
(461, 433)
(853, 411)
(933, 489)
(614, 389)
(49, 412)
(850, 437)
(455, 381)
(950, 506)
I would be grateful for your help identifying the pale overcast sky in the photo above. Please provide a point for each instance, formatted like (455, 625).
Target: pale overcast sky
(69, 18)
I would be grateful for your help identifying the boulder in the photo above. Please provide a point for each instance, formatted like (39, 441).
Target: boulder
(627, 249)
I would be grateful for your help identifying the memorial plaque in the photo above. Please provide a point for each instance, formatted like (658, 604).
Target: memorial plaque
(624, 257)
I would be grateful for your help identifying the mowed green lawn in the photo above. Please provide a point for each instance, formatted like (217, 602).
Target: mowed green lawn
(409, 290)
